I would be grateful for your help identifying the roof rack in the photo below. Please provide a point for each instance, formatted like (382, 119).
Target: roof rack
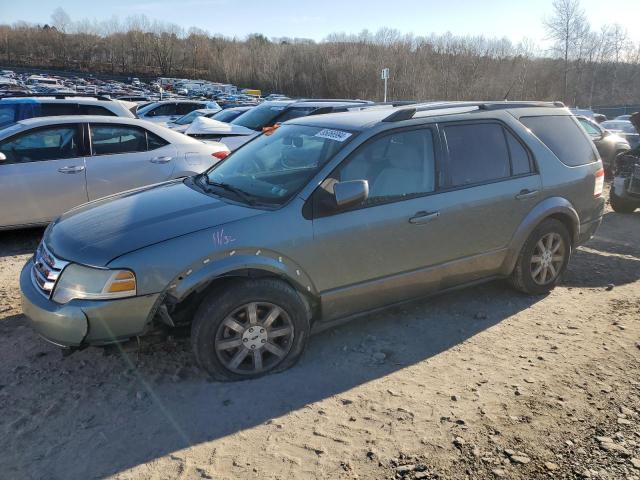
(59, 96)
(464, 107)
(345, 100)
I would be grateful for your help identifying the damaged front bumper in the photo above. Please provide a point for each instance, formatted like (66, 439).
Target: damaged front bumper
(84, 322)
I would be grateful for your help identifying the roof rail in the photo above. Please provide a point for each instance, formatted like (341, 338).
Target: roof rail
(59, 96)
(409, 113)
(345, 100)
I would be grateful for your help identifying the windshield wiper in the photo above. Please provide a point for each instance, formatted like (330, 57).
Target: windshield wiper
(230, 188)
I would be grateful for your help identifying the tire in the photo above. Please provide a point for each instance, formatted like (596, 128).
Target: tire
(525, 276)
(620, 205)
(229, 346)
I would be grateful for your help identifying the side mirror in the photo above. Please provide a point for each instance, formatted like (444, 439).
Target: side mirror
(3, 157)
(350, 193)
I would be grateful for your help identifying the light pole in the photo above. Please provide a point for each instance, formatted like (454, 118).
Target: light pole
(385, 77)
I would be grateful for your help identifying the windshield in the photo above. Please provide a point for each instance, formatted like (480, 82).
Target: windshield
(261, 116)
(273, 168)
(189, 117)
(227, 115)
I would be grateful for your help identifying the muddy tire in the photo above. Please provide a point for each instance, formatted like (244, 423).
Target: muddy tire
(620, 205)
(249, 328)
(543, 258)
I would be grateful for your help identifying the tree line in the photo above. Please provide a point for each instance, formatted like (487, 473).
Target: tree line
(584, 67)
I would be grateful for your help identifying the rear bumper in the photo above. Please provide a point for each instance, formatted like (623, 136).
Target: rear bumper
(82, 322)
(589, 228)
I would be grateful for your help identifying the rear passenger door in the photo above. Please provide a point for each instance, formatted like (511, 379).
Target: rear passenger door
(489, 184)
(43, 174)
(125, 157)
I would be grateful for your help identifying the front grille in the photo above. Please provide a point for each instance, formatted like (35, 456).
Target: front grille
(46, 270)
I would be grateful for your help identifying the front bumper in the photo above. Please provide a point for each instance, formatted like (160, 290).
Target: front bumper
(82, 322)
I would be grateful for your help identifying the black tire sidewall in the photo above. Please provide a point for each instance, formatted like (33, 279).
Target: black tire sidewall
(523, 269)
(620, 205)
(224, 300)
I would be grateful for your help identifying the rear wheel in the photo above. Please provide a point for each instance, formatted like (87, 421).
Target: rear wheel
(249, 328)
(621, 205)
(543, 259)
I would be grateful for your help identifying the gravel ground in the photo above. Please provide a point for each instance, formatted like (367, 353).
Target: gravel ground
(481, 383)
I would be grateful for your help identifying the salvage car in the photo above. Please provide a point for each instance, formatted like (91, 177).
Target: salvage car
(625, 190)
(169, 110)
(268, 114)
(51, 164)
(609, 144)
(624, 129)
(324, 218)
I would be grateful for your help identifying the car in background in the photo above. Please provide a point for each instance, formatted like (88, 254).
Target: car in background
(166, 111)
(623, 117)
(625, 129)
(609, 144)
(182, 123)
(13, 109)
(134, 98)
(625, 190)
(51, 164)
(267, 115)
(231, 113)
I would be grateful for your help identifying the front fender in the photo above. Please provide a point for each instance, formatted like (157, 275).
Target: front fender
(544, 209)
(200, 274)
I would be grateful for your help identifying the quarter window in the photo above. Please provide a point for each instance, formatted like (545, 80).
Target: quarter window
(154, 141)
(563, 137)
(44, 144)
(477, 153)
(395, 166)
(520, 159)
(113, 139)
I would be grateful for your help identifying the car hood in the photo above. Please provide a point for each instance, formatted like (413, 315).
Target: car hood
(209, 126)
(98, 232)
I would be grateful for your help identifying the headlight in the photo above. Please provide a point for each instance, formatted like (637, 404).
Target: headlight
(93, 284)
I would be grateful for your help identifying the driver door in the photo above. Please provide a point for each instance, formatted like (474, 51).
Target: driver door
(43, 175)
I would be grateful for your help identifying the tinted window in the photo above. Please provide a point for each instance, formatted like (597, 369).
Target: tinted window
(477, 153)
(154, 141)
(520, 160)
(112, 139)
(295, 113)
(95, 110)
(184, 108)
(563, 137)
(55, 109)
(165, 109)
(395, 166)
(45, 144)
(261, 116)
(8, 114)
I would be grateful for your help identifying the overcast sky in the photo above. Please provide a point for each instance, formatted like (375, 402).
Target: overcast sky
(514, 19)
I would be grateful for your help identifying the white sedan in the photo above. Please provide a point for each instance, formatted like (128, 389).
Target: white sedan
(51, 164)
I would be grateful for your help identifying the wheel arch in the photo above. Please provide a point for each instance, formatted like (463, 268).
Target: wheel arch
(554, 207)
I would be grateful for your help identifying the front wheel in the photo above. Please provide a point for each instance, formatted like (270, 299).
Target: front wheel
(543, 259)
(249, 328)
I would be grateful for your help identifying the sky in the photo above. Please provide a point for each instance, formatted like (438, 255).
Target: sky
(514, 19)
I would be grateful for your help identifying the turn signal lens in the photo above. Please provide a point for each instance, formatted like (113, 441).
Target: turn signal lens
(221, 154)
(122, 281)
(599, 186)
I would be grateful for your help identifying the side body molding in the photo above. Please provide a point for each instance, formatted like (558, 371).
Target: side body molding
(546, 208)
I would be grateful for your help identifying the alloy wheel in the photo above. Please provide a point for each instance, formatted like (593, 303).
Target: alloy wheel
(254, 338)
(548, 258)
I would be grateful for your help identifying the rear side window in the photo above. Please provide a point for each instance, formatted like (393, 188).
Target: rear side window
(184, 108)
(114, 139)
(154, 141)
(95, 110)
(563, 137)
(161, 110)
(477, 153)
(55, 109)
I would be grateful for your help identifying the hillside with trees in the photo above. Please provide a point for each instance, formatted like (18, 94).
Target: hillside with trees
(584, 67)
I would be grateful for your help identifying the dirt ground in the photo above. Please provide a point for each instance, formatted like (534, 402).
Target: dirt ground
(481, 383)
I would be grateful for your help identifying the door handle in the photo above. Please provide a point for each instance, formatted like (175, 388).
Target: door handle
(423, 217)
(71, 169)
(163, 159)
(526, 193)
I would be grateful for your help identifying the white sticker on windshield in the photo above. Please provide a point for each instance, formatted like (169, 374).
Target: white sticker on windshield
(337, 135)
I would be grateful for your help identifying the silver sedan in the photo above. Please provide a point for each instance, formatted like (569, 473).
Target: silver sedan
(49, 165)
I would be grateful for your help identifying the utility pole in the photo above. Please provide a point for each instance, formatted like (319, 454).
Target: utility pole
(385, 77)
